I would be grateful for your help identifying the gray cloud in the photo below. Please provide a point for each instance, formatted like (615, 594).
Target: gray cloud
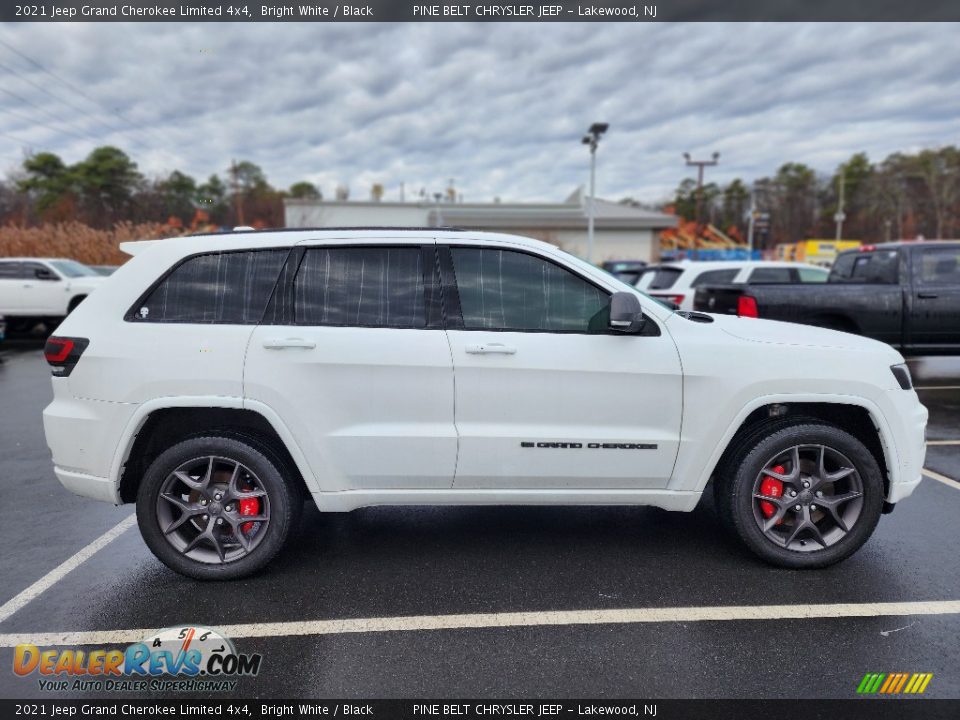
(500, 108)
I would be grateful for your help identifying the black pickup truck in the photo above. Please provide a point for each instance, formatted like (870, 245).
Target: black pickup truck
(905, 294)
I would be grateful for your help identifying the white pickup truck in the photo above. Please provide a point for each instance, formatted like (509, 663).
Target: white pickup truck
(42, 289)
(218, 380)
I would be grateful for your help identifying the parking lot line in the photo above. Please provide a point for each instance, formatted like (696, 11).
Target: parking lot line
(623, 616)
(18, 601)
(942, 478)
(943, 442)
(937, 387)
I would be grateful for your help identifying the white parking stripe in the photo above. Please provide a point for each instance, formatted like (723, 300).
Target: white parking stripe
(19, 601)
(943, 442)
(942, 478)
(937, 387)
(624, 616)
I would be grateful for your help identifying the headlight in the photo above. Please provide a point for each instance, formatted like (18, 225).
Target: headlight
(902, 373)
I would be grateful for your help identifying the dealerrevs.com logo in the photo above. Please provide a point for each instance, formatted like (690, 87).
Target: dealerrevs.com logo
(187, 659)
(894, 683)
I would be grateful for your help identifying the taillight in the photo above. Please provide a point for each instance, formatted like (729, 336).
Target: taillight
(747, 306)
(63, 353)
(678, 299)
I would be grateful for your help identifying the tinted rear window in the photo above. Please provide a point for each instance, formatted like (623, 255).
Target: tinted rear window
(229, 287)
(664, 278)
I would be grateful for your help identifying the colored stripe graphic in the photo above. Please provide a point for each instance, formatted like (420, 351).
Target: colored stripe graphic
(894, 683)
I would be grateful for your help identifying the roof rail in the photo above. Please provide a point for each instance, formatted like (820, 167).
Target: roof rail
(391, 228)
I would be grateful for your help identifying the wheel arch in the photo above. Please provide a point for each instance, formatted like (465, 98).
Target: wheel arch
(158, 426)
(857, 416)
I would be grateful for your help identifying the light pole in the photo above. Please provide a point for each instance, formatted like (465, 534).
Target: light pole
(840, 215)
(700, 165)
(592, 138)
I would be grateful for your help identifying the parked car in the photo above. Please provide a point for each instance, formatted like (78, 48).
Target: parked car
(904, 294)
(36, 290)
(628, 271)
(216, 381)
(677, 281)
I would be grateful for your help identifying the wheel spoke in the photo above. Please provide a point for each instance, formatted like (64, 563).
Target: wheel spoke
(772, 521)
(794, 473)
(208, 477)
(188, 481)
(779, 500)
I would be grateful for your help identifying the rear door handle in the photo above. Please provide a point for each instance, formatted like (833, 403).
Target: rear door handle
(284, 343)
(491, 349)
(927, 295)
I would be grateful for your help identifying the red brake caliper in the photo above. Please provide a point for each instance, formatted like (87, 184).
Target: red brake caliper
(251, 506)
(772, 487)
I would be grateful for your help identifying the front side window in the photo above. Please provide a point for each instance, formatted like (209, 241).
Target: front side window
(217, 288)
(361, 286)
(812, 275)
(940, 266)
(759, 276)
(509, 290)
(73, 269)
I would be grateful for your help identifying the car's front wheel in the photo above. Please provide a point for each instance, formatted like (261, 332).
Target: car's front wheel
(805, 496)
(215, 508)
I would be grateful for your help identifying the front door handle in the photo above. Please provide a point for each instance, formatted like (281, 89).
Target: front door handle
(284, 343)
(491, 349)
(927, 295)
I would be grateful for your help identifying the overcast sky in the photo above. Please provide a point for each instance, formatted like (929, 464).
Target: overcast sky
(499, 108)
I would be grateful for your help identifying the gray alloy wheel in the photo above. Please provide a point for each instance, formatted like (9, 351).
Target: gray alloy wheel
(800, 493)
(821, 500)
(213, 509)
(217, 507)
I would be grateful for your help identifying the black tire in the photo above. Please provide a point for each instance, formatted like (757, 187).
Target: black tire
(284, 500)
(735, 486)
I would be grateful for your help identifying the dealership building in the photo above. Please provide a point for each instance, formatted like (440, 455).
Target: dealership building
(621, 232)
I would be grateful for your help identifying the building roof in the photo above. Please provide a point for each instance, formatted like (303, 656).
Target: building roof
(572, 213)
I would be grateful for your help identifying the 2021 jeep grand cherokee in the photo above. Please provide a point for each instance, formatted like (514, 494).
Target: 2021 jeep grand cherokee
(218, 380)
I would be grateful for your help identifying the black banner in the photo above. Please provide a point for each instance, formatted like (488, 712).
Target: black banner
(922, 709)
(502, 11)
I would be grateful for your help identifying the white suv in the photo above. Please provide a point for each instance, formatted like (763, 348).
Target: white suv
(36, 289)
(219, 380)
(677, 282)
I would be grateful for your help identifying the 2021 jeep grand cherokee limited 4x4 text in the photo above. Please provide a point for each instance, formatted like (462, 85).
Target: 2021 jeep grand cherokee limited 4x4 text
(217, 381)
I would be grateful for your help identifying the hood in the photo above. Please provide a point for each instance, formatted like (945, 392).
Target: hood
(785, 333)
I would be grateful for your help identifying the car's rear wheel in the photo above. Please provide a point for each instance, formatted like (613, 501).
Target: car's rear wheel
(215, 508)
(805, 496)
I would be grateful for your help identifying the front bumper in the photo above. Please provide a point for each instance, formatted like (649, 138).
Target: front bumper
(911, 445)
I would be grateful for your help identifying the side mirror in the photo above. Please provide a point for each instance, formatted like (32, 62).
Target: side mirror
(626, 314)
(45, 274)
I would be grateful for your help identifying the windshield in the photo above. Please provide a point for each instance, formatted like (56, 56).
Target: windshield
(73, 269)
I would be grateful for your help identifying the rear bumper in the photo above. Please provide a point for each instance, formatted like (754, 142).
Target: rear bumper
(91, 486)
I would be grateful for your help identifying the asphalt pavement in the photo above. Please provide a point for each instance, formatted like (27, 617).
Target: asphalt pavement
(424, 565)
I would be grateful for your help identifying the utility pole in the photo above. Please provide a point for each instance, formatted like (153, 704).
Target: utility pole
(592, 138)
(840, 216)
(750, 223)
(700, 165)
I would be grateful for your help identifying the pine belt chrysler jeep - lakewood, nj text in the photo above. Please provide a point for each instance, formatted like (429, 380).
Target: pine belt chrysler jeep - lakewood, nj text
(218, 381)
